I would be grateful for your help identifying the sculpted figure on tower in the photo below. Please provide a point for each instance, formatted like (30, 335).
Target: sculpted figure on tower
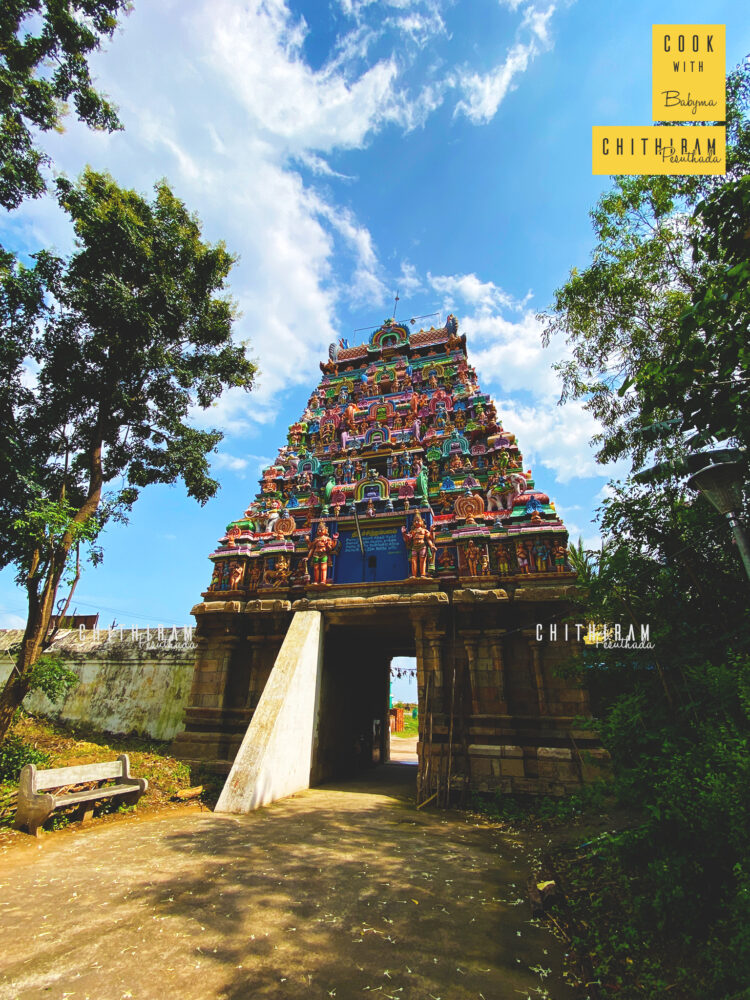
(320, 548)
(421, 543)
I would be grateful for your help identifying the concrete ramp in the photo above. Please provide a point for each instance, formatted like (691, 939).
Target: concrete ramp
(275, 757)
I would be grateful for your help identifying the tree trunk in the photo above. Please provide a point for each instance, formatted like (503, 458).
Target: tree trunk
(10, 698)
(37, 626)
(42, 604)
(17, 685)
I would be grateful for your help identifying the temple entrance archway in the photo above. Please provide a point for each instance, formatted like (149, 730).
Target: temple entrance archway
(353, 731)
(400, 518)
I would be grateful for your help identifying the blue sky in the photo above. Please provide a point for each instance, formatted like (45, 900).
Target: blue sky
(345, 150)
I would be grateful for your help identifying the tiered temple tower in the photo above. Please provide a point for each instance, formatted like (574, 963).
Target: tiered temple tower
(401, 510)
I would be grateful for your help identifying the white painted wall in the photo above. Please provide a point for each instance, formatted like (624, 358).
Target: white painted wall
(122, 687)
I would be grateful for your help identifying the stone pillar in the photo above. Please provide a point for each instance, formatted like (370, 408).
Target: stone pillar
(419, 645)
(494, 638)
(254, 646)
(536, 666)
(213, 659)
(433, 645)
(211, 728)
(471, 645)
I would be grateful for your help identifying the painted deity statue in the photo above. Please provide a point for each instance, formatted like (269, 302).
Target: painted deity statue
(503, 559)
(254, 576)
(560, 553)
(350, 414)
(421, 543)
(236, 575)
(472, 554)
(320, 548)
(524, 556)
(541, 556)
(422, 487)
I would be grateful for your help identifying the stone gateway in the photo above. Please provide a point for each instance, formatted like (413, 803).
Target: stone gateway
(400, 513)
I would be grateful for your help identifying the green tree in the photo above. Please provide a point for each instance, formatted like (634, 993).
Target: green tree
(707, 363)
(657, 325)
(652, 292)
(43, 50)
(104, 355)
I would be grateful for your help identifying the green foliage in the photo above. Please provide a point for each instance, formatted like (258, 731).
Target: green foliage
(15, 754)
(593, 797)
(657, 326)
(125, 337)
(44, 46)
(136, 332)
(52, 677)
(665, 901)
(657, 322)
(707, 366)
(676, 722)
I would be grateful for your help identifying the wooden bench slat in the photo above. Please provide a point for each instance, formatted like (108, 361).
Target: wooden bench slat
(36, 803)
(57, 776)
(92, 794)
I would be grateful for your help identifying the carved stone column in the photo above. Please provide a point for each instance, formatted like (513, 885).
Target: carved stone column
(494, 637)
(254, 645)
(433, 642)
(471, 645)
(419, 645)
(536, 666)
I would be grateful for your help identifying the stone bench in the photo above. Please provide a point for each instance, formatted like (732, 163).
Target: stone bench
(36, 801)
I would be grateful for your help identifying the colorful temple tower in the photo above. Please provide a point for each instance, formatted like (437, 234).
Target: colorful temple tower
(400, 509)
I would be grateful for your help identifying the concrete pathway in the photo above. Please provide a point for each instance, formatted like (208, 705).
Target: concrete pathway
(340, 891)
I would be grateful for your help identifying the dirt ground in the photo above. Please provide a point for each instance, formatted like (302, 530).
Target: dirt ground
(404, 749)
(339, 891)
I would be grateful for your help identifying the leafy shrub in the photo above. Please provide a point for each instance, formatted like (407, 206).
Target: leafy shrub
(15, 754)
(52, 677)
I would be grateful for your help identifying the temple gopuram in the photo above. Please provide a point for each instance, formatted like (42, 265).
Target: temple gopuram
(400, 509)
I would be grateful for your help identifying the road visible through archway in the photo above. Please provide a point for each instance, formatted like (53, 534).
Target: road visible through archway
(340, 891)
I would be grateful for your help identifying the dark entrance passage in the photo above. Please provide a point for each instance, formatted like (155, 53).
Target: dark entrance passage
(353, 733)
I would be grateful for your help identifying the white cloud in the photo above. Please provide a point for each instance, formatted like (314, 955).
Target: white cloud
(366, 284)
(409, 281)
(556, 437)
(223, 460)
(507, 353)
(420, 27)
(511, 354)
(319, 166)
(225, 111)
(538, 22)
(484, 295)
(483, 93)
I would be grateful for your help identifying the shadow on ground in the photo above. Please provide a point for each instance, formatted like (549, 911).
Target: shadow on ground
(339, 891)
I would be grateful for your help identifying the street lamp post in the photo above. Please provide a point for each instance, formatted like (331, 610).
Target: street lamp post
(721, 484)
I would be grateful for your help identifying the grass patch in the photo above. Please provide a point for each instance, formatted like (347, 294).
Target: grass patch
(596, 797)
(50, 744)
(612, 952)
